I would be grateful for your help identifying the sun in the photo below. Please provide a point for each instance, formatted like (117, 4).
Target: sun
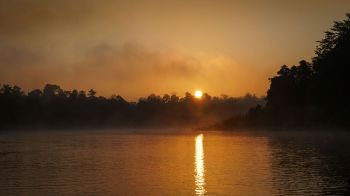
(198, 94)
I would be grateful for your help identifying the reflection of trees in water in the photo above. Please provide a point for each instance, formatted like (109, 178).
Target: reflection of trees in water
(314, 164)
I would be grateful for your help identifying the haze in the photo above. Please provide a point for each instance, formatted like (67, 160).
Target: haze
(134, 48)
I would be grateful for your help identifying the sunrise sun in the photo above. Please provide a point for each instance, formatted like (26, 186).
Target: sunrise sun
(198, 94)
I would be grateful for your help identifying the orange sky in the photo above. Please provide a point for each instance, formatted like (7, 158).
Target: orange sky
(134, 48)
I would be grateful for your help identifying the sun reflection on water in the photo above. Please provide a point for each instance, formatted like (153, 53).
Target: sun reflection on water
(199, 166)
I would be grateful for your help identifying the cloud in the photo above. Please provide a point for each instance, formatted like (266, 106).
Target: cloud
(135, 66)
(133, 61)
(130, 69)
(102, 66)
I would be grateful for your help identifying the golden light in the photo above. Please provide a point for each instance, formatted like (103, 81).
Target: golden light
(198, 94)
(199, 166)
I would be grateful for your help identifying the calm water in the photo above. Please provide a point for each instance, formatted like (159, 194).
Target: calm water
(110, 163)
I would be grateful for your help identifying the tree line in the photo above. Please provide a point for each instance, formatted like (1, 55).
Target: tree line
(53, 107)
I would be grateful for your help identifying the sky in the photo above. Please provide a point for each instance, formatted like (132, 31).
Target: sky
(135, 48)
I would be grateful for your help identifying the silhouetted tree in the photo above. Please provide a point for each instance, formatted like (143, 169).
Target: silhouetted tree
(309, 94)
(54, 107)
(52, 90)
(91, 93)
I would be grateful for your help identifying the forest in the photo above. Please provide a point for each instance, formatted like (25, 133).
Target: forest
(56, 108)
(310, 94)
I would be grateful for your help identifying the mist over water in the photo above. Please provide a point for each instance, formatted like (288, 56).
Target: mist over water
(196, 163)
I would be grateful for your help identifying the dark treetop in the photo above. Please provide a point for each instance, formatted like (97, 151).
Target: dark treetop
(56, 108)
(312, 93)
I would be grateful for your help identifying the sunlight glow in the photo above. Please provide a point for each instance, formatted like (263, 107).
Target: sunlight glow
(198, 94)
(199, 166)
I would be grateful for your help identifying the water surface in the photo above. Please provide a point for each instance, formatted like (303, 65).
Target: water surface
(214, 163)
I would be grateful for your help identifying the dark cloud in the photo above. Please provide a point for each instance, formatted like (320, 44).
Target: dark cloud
(103, 66)
(135, 62)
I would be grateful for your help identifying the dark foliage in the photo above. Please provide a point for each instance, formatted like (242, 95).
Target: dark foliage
(309, 94)
(54, 107)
